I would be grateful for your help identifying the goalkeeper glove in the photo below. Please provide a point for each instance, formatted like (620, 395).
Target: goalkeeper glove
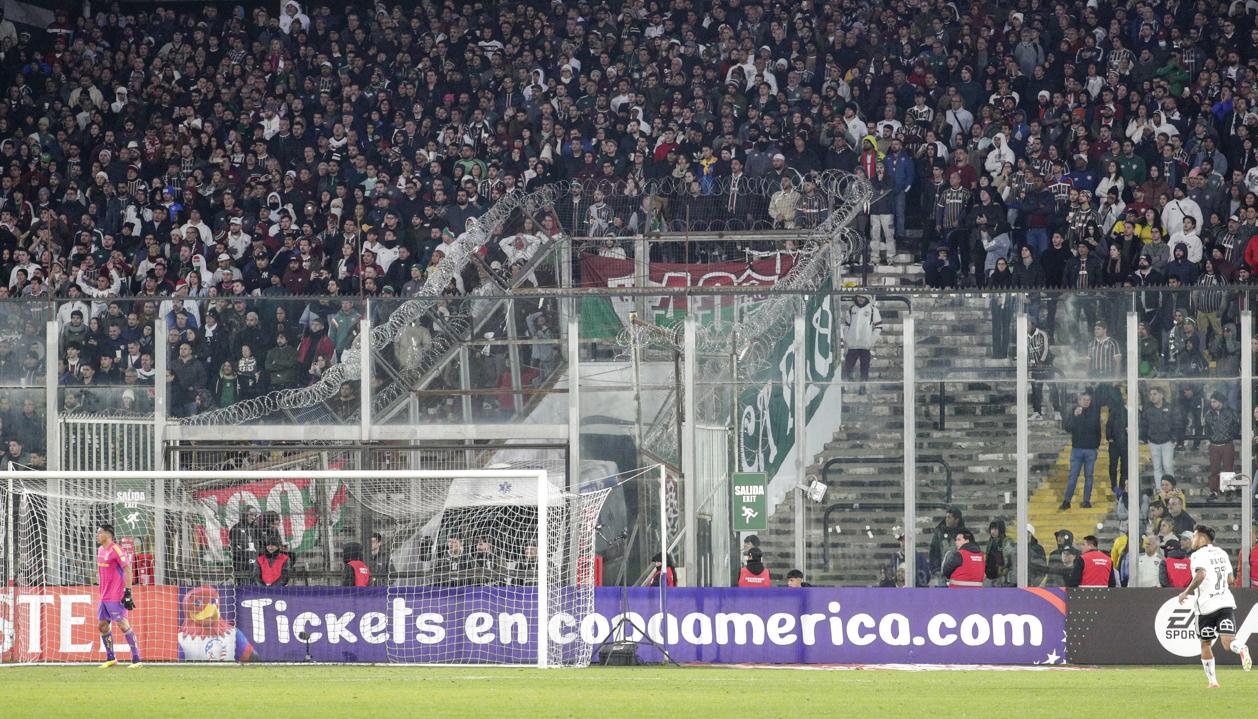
(127, 601)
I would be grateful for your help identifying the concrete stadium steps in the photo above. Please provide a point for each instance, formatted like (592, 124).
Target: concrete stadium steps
(978, 441)
(1043, 506)
(897, 274)
(952, 344)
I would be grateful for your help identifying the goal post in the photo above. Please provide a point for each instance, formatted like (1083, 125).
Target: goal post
(462, 567)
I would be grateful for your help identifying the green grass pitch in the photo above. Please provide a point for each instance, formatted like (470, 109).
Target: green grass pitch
(695, 692)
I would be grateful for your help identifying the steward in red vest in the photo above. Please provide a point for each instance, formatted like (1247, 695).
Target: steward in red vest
(755, 574)
(1094, 569)
(967, 566)
(272, 567)
(356, 573)
(1176, 569)
(655, 573)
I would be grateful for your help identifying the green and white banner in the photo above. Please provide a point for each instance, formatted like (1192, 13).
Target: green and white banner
(766, 408)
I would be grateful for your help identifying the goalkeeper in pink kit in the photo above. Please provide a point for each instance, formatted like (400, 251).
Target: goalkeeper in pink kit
(114, 567)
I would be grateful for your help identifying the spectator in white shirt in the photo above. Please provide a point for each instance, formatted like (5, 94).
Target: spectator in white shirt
(1189, 238)
(385, 256)
(238, 241)
(74, 303)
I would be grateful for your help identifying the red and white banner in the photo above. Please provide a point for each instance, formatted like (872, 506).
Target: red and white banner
(613, 272)
(599, 271)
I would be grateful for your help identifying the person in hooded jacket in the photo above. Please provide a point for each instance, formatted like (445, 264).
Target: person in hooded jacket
(1037, 561)
(1181, 268)
(754, 573)
(1003, 307)
(989, 232)
(1028, 273)
(941, 269)
(356, 572)
(862, 326)
(273, 563)
(1062, 559)
(882, 216)
(1001, 568)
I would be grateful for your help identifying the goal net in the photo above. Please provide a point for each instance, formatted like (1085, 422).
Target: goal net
(431, 567)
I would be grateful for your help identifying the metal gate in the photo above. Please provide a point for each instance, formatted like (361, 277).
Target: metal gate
(107, 444)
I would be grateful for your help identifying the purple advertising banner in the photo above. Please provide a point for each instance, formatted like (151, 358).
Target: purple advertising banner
(714, 625)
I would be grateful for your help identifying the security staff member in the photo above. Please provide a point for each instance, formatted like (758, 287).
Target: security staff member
(754, 574)
(966, 567)
(1176, 568)
(1093, 569)
(272, 567)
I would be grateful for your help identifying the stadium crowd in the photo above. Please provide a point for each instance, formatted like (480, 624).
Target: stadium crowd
(186, 163)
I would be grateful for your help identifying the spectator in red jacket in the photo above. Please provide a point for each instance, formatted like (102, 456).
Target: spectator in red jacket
(1251, 254)
(315, 344)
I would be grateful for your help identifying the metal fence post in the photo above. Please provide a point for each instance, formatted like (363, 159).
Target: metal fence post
(1024, 460)
(160, 413)
(910, 454)
(689, 462)
(1134, 519)
(364, 374)
(1247, 444)
(799, 403)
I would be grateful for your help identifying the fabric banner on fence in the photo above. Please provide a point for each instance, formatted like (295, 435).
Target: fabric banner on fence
(602, 318)
(766, 408)
(294, 502)
(997, 626)
(1146, 626)
(597, 271)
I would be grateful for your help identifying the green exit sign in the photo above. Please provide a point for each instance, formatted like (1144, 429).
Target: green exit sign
(750, 502)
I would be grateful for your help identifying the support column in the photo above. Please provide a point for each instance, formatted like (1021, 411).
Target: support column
(641, 271)
(55, 527)
(161, 411)
(543, 581)
(800, 406)
(663, 479)
(574, 392)
(1022, 495)
(910, 453)
(689, 465)
(364, 374)
(52, 399)
(465, 383)
(1134, 518)
(1247, 443)
(513, 361)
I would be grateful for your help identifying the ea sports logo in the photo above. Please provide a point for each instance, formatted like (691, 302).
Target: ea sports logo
(1176, 628)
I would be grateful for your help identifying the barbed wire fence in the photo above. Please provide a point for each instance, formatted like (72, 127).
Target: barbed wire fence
(661, 204)
(752, 337)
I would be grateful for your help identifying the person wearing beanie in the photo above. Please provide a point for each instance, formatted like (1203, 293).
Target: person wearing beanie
(273, 563)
